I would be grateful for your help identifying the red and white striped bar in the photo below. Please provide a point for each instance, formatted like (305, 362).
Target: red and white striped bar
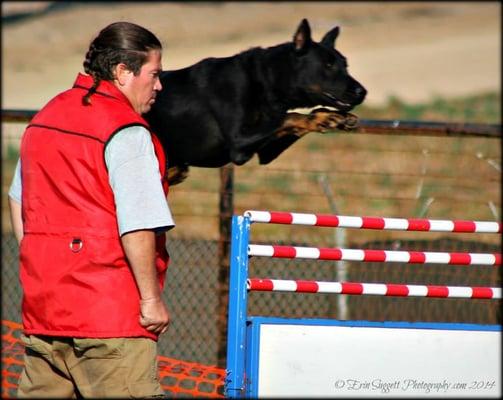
(380, 289)
(409, 257)
(380, 223)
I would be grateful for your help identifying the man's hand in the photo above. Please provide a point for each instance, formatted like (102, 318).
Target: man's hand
(154, 315)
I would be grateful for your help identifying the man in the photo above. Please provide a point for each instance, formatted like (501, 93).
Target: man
(88, 206)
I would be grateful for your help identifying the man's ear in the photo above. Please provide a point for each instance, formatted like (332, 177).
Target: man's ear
(329, 38)
(122, 74)
(302, 37)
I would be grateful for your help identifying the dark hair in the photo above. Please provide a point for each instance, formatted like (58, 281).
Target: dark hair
(120, 42)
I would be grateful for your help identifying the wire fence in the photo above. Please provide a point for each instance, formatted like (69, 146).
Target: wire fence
(192, 290)
(395, 176)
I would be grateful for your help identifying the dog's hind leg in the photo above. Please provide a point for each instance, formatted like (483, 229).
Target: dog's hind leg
(177, 174)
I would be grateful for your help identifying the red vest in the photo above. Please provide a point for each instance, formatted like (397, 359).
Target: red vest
(75, 276)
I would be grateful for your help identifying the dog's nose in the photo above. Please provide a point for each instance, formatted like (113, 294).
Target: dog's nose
(360, 92)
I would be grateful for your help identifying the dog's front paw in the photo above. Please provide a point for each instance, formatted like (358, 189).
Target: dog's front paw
(350, 122)
(324, 120)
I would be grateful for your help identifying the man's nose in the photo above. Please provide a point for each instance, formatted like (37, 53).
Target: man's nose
(158, 85)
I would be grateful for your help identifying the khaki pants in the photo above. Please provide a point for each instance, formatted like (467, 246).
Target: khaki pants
(58, 367)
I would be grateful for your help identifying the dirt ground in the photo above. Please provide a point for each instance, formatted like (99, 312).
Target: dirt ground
(413, 50)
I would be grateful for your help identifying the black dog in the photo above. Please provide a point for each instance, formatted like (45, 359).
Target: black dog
(223, 110)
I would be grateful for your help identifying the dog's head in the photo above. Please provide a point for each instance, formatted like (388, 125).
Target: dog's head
(322, 76)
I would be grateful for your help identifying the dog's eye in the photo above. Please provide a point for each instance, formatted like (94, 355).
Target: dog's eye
(329, 65)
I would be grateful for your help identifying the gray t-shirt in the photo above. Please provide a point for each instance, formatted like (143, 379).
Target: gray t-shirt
(135, 179)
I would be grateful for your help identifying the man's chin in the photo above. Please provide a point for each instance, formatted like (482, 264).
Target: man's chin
(145, 109)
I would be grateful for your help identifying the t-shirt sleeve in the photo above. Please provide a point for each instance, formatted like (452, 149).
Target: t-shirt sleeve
(16, 189)
(135, 179)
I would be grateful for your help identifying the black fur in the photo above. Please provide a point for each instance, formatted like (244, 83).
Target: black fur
(223, 110)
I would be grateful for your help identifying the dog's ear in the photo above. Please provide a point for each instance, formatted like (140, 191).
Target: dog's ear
(302, 37)
(329, 38)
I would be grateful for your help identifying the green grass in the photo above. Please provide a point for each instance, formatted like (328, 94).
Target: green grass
(481, 108)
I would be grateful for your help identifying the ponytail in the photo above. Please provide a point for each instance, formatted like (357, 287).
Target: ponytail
(86, 100)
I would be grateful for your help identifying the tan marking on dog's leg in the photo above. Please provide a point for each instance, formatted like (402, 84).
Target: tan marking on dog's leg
(294, 124)
(317, 121)
(330, 120)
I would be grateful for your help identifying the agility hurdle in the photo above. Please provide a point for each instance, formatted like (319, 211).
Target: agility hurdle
(281, 357)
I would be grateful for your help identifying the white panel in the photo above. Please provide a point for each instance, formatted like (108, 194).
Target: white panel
(308, 361)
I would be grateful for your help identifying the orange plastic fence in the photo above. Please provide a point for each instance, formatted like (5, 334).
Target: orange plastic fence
(178, 378)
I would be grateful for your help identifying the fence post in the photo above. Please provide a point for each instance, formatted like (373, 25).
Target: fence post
(341, 311)
(226, 210)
